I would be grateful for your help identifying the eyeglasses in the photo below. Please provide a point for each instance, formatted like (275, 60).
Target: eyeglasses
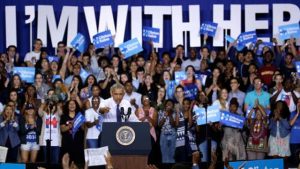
(178, 91)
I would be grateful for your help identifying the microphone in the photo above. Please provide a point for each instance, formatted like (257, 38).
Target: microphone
(128, 113)
(122, 113)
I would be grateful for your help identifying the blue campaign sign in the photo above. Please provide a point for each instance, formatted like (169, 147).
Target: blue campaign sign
(55, 77)
(201, 77)
(103, 39)
(229, 39)
(213, 115)
(53, 59)
(298, 67)
(130, 48)
(179, 75)
(12, 166)
(79, 43)
(151, 34)
(79, 119)
(26, 73)
(191, 91)
(208, 28)
(289, 31)
(258, 164)
(232, 120)
(84, 74)
(262, 45)
(247, 37)
(170, 89)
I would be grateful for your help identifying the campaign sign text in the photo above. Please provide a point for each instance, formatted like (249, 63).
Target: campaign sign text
(208, 28)
(130, 48)
(289, 31)
(258, 164)
(213, 115)
(26, 73)
(79, 43)
(103, 39)
(232, 120)
(247, 37)
(151, 34)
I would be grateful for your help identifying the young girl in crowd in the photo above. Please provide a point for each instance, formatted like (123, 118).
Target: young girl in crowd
(233, 141)
(166, 121)
(257, 144)
(186, 139)
(279, 140)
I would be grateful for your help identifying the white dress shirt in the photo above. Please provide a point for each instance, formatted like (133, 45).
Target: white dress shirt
(111, 116)
(136, 96)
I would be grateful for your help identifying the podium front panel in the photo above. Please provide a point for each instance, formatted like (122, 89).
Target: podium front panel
(130, 138)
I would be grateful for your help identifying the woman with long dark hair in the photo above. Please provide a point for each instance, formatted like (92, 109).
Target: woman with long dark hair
(72, 140)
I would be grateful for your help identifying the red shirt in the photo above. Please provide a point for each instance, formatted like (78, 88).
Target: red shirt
(266, 74)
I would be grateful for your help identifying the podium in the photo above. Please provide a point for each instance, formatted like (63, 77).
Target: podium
(129, 143)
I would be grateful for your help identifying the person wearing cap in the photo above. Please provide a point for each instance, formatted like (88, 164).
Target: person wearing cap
(30, 129)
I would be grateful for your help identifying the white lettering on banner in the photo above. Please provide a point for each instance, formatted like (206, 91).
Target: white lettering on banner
(158, 13)
(193, 26)
(11, 25)
(278, 16)
(67, 22)
(46, 17)
(251, 23)
(235, 19)
(136, 23)
(132, 46)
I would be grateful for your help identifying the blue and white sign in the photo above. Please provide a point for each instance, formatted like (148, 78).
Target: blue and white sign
(213, 115)
(103, 39)
(247, 37)
(170, 89)
(289, 31)
(130, 48)
(298, 67)
(232, 120)
(84, 74)
(99, 125)
(208, 28)
(229, 39)
(54, 77)
(78, 121)
(151, 34)
(258, 164)
(12, 166)
(262, 45)
(201, 77)
(179, 75)
(191, 91)
(79, 43)
(26, 73)
(53, 59)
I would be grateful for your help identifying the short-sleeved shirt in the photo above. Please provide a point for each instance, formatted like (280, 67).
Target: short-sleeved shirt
(91, 115)
(263, 98)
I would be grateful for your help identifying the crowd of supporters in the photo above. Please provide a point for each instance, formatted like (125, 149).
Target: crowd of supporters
(258, 82)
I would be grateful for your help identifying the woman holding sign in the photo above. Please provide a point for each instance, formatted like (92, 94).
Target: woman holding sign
(191, 79)
(72, 135)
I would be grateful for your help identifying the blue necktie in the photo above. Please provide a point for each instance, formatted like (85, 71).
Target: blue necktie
(118, 114)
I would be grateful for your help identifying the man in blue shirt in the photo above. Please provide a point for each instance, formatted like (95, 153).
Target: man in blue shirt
(257, 94)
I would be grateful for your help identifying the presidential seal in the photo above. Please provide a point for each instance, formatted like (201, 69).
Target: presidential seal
(125, 135)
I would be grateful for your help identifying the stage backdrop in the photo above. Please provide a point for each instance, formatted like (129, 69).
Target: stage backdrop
(57, 20)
